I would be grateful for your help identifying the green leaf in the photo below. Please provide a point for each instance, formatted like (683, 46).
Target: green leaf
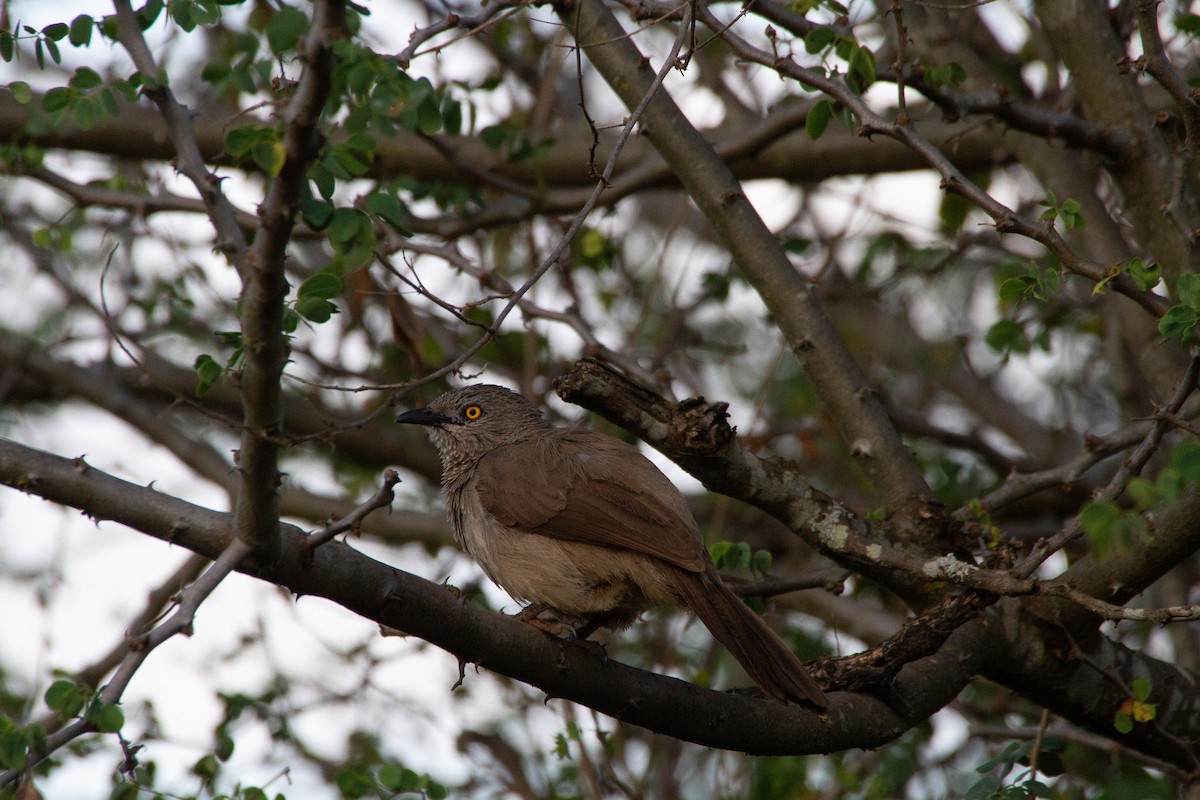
(58, 98)
(208, 372)
(241, 140)
(496, 136)
(285, 28)
(390, 776)
(224, 748)
(81, 30)
(388, 208)
(346, 225)
(13, 747)
(983, 789)
(818, 119)
(818, 39)
(1013, 290)
(52, 49)
(56, 31)
(21, 92)
(65, 697)
(761, 562)
(1104, 525)
(84, 114)
(452, 116)
(315, 309)
(1188, 289)
(86, 78)
(862, 64)
(1141, 688)
(316, 213)
(270, 155)
(1143, 493)
(354, 785)
(7, 46)
(322, 285)
(1007, 336)
(107, 717)
(1098, 517)
(1122, 722)
(1178, 323)
(1189, 24)
(1145, 276)
(206, 768)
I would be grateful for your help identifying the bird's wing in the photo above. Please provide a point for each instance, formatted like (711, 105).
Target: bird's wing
(587, 487)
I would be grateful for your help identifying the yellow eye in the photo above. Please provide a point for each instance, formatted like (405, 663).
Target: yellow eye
(473, 412)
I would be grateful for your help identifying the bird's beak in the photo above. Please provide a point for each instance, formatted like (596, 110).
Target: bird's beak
(424, 416)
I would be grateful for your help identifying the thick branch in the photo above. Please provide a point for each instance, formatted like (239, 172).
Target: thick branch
(406, 602)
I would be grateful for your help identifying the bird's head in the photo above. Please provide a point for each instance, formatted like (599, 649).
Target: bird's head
(466, 423)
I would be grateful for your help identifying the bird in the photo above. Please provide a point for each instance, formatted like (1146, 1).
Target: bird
(581, 524)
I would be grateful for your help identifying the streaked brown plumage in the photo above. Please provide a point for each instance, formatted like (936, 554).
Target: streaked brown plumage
(585, 525)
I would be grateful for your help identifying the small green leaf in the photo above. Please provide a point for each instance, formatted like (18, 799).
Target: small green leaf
(429, 117)
(1099, 517)
(1013, 290)
(496, 136)
(818, 119)
(206, 767)
(208, 372)
(86, 78)
(1188, 289)
(354, 785)
(285, 28)
(315, 309)
(1006, 336)
(1122, 722)
(241, 140)
(345, 225)
(21, 92)
(983, 789)
(1141, 688)
(224, 748)
(65, 697)
(761, 562)
(107, 717)
(862, 64)
(13, 747)
(818, 39)
(56, 31)
(388, 208)
(81, 30)
(1178, 323)
(270, 155)
(390, 776)
(316, 213)
(58, 98)
(322, 285)
(1189, 24)
(1145, 277)
(1143, 493)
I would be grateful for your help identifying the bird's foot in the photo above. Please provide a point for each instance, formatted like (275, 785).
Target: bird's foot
(531, 615)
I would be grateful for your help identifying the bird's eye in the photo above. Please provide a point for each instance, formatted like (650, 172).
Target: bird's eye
(472, 412)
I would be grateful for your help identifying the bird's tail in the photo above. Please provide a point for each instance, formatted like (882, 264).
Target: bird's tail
(756, 647)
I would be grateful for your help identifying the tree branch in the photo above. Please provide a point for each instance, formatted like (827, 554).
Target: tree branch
(406, 602)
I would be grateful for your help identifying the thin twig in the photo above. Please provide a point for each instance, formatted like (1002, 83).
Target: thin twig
(1130, 468)
(138, 648)
(382, 498)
